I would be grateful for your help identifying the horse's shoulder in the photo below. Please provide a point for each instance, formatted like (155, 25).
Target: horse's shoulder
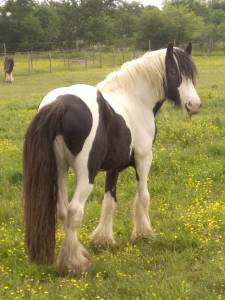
(112, 143)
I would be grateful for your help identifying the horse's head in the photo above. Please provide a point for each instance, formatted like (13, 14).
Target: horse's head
(180, 79)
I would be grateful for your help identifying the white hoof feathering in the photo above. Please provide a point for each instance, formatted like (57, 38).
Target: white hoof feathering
(142, 232)
(142, 224)
(102, 237)
(73, 260)
(103, 234)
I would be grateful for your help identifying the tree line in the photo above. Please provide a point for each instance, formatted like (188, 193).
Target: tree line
(31, 25)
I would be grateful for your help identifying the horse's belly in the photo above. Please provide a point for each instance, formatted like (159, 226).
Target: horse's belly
(118, 158)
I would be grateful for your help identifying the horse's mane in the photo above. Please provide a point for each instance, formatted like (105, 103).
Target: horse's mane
(150, 66)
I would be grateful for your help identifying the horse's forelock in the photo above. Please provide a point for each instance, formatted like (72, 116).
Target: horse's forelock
(186, 65)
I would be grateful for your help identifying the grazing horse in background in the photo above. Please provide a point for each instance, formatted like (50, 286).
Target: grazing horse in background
(108, 127)
(8, 68)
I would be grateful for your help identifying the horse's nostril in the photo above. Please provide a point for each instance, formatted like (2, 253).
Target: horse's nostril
(189, 104)
(192, 107)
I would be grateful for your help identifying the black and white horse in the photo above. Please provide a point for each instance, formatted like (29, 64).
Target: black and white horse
(109, 127)
(8, 68)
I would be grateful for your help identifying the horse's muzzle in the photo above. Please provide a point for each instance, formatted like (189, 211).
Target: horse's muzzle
(192, 108)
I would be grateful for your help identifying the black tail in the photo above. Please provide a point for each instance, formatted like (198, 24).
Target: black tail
(40, 183)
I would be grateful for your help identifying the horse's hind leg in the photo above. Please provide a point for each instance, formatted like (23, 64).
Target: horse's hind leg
(73, 257)
(103, 234)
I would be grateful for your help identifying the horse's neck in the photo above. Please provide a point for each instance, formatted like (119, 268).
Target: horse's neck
(140, 95)
(138, 85)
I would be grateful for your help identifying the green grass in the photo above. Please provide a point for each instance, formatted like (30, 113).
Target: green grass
(185, 260)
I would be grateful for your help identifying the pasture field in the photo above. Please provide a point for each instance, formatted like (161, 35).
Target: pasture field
(186, 258)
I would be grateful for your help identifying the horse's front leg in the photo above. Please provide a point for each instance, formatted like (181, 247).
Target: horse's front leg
(103, 234)
(142, 224)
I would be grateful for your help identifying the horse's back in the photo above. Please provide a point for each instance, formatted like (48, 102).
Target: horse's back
(86, 93)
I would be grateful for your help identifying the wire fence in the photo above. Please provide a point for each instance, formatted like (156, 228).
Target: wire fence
(31, 62)
(52, 61)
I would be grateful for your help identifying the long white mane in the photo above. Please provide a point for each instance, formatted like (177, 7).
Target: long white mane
(148, 68)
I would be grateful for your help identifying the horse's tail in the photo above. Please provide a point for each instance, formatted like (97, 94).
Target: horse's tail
(40, 183)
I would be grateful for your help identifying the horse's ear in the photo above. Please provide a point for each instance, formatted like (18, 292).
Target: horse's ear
(188, 49)
(170, 48)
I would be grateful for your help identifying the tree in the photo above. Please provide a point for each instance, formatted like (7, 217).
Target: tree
(177, 24)
(19, 28)
(27, 24)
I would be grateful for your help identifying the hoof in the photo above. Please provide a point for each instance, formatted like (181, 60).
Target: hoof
(84, 252)
(145, 234)
(73, 267)
(102, 240)
(73, 262)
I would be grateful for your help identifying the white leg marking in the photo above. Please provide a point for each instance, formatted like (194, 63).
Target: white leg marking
(7, 78)
(11, 78)
(142, 224)
(73, 257)
(103, 234)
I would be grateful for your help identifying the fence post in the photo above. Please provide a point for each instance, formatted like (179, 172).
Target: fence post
(85, 62)
(28, 61)
(68, 61)
(93, 58)
(100, 60)
(64, 58)
(31, 61)
(149, 45)
(123, 55)
(4, 48)
(50, 62)
(114, 61)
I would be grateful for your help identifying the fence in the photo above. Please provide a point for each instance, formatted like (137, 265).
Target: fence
(30, 62)
(72, 60)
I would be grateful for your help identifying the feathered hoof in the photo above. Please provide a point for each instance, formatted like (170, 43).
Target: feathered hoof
(144, 234)
(74, 266)
(102, 240)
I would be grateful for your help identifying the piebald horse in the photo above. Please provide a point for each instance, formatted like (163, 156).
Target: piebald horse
(108, 127)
